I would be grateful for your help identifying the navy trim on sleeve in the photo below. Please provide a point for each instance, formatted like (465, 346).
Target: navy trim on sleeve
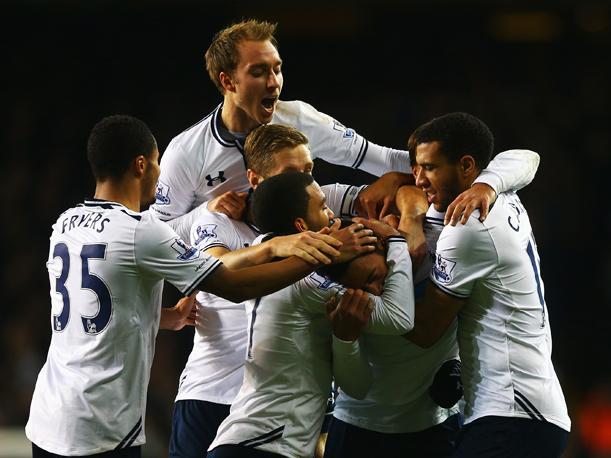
(213, 245)
(197, 281)
(361, 155)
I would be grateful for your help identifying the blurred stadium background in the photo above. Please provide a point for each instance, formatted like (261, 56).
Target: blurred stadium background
(538, 72)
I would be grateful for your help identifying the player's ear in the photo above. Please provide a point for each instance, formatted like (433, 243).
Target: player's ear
(300, 225)
(139, 165)
(227, 82)
(253, 178)
(467, 165)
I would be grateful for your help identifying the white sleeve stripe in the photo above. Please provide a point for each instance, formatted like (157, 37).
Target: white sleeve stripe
(448, 291)
(396, 239)
(197, 281)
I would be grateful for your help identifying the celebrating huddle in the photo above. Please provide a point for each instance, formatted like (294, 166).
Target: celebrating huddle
(433, 340)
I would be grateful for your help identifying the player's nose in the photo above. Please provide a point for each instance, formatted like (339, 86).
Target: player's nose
(420, 177)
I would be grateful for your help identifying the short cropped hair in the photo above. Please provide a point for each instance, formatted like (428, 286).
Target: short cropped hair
(222, 55)
(265, 141)
(459, 134)
(114, 142)
(279, 200)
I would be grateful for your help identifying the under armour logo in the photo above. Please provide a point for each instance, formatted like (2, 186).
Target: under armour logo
(220, 178)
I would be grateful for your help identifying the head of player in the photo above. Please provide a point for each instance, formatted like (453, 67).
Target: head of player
(449, 153)
(273, 149)
(244, 64)
(124, 159)
(293, 202)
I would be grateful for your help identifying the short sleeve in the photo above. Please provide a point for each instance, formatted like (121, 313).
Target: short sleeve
(341, 198)
(330, 140)
(315, 290)
(175, 187)
(213, 230)
(160, 251)
(465, 254)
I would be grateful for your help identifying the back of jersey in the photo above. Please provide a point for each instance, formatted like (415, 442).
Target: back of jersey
(90, 395)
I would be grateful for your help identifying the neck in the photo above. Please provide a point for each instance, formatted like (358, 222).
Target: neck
(235, 119)
(119, 191)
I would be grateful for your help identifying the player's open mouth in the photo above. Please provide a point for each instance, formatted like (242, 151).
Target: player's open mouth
(430, 196)
(268, 103)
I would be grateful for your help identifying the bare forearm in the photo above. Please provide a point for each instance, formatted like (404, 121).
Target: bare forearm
(247, 257)
(251, 282)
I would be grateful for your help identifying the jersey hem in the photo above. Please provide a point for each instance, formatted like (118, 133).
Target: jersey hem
(362, 422)
(556, 421)
(52, 448)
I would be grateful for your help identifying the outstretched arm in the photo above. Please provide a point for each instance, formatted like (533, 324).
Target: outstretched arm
(250, 282)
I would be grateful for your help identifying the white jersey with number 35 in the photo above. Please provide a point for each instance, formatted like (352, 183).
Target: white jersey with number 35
(106, 265)
(504, 332)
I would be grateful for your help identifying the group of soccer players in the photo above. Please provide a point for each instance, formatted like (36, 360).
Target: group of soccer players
(401, 313)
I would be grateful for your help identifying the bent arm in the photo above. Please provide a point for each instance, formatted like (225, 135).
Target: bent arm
(434, 315)
(510, 170)
(251, 282)
(393, 313)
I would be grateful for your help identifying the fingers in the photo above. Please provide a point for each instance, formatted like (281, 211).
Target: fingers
(370, 208)
(337, 222)
(313, 256)
(484, 211)
(230, 203)
(356, 303)
(331, 306)
(385, 207)
(453, 212)
(323, 237)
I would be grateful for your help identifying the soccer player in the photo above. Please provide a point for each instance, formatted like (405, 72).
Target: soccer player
(488, 274)
(106, 264)
(288, 370)
(214, 371)
(411, 408)
(206, 160)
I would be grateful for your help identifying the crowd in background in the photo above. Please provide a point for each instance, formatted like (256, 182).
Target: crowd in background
(539, 77)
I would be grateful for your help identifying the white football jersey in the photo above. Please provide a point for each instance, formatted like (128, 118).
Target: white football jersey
(215, 368)
(398, 401)
(503, 332)
(288, 370)
(206, 160)
(106, 268)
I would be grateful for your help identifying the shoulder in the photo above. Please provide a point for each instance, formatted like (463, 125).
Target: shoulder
(295, 110)
(463, 238)
(188, 141)
(212, 225)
